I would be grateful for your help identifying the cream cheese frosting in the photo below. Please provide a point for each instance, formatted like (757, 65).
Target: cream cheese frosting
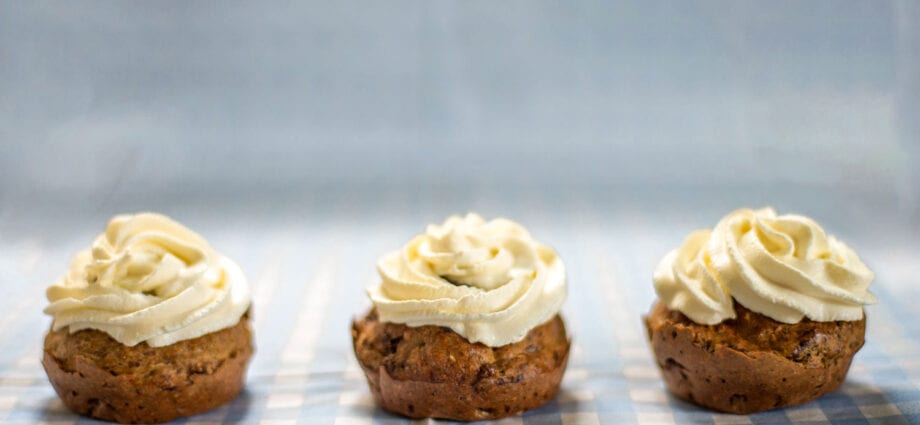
(149, 279)
(488, 281)
(782, 266)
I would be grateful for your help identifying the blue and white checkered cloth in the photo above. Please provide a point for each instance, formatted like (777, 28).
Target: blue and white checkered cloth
(308, 272)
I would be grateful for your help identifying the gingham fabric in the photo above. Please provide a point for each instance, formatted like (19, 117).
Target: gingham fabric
(309, 264)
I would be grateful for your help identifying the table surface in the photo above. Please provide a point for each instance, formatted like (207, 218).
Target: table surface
(309, 264)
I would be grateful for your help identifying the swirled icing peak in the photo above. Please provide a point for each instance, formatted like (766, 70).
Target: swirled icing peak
(782, 266)
(149, 279)
(488, 281)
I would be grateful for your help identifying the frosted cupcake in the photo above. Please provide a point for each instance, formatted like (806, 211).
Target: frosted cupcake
(465, 323)
(150, 325)
(763, 311)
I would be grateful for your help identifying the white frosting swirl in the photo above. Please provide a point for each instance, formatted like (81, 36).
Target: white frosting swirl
(487, 281)
(149, 279)
(783, 267)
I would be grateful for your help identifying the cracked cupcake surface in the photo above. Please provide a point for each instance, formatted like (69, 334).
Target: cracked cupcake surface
(149, 325)
(763, 311)
(431, 371)
(465, 324)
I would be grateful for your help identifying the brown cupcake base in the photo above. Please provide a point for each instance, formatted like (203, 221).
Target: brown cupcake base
(99, 377)
(751, 363)
(431, 371)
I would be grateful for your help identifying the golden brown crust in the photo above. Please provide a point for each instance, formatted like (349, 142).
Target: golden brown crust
(751, 363)
(99, 377)
(431, 371)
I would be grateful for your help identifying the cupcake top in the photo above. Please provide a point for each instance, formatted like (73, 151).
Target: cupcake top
(782, 266)
(149, 279)
(488, 281)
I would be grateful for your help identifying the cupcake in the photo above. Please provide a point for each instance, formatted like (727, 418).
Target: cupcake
(764, 311)
(150, 325)
(465, 323)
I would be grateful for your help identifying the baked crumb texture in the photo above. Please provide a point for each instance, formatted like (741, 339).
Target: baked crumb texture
(99, 377)
(751, 363)
(431, 371)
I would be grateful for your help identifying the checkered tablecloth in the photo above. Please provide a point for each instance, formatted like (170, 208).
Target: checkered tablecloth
(309, 264)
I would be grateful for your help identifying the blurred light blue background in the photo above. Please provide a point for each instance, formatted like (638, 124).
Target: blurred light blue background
(113, 106)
